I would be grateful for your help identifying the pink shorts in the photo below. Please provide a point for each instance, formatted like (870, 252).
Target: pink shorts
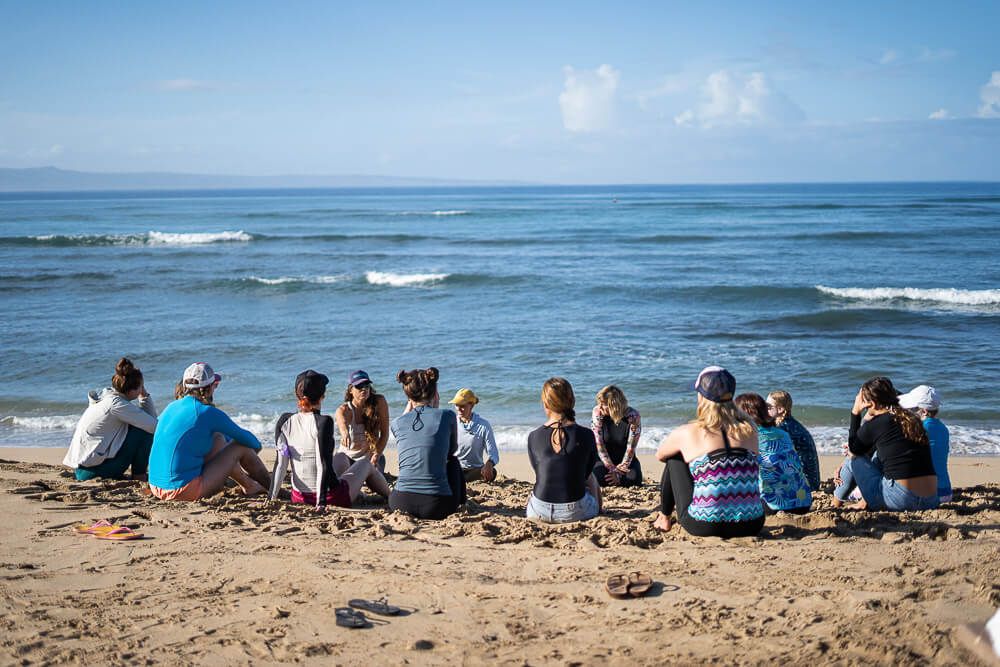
(190, 491)
(340, 496)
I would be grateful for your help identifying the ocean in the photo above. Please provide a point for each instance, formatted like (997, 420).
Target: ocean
(808, 288)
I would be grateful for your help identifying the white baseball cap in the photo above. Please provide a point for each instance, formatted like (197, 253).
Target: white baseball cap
(198, 375)
(922, 396)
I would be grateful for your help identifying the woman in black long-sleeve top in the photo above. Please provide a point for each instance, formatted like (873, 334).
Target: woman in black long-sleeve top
(901, 476)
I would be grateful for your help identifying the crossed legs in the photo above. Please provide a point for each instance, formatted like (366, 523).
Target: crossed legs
(232, 460)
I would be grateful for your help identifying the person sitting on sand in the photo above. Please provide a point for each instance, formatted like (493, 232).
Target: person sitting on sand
(363, 421)
(901, 474)
(563, 455)
(783, 486)
(475, 438)
(304, 440)
(617, 428)
(430, 484)
(114, 434)
(711, 474)
(925, 402)
(780, 407)
(197, 447)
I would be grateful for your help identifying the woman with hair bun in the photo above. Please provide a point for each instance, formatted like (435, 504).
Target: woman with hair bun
(901, 476)
(430, 484)
(563, 455)
(114, 434)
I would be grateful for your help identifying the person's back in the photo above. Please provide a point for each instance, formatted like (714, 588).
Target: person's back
(783, 485)
(805, 447)
(726, 483)
(940, 437)
(423, 437)
(561, 477)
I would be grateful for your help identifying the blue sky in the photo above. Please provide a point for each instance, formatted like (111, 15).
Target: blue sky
(571, 92)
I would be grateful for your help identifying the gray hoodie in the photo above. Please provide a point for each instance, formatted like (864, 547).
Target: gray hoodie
(102, 428)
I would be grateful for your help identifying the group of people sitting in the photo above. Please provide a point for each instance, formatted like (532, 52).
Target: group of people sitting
(743, 456)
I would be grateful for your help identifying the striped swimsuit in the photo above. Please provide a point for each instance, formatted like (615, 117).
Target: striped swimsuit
(726, 486)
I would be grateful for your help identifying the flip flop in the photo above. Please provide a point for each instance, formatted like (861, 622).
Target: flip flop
(101, 526)
(119, 534)
(639, 584)
(617, 585)
(349, 618)
(380, 606)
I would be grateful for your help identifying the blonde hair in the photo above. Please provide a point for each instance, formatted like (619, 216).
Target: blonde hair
(614, 399)
(716, 417)
(781, 400)
(558, 397)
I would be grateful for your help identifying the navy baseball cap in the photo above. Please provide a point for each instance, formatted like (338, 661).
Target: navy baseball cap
(311, 384)
(716, 384)
(358, 378)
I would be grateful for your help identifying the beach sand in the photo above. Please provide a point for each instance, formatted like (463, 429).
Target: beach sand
(232, 580)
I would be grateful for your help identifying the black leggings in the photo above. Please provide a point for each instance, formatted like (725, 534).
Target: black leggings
(677, 489)
(632, 478)
(427, 506)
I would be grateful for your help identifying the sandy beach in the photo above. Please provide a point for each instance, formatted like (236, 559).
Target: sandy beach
(232, 580)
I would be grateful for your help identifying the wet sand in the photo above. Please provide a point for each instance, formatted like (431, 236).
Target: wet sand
(234, 580)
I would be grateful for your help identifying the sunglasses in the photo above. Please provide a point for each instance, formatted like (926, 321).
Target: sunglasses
(363, 387)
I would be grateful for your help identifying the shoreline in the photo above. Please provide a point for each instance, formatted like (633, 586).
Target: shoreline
(963, 470)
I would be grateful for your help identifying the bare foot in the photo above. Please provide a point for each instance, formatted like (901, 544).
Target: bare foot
(836, 502)
(662, 523)
(860, 505)
(253, 488)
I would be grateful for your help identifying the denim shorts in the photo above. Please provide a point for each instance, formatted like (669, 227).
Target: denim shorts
(581, 510)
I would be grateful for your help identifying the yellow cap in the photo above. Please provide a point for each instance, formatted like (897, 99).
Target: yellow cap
(463, 396)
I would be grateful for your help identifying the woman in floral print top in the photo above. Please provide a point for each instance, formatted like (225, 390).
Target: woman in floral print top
(617, 428)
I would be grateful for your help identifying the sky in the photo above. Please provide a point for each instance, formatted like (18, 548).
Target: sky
(545, 92)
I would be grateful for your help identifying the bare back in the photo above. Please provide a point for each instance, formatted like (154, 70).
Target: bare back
(693, 441)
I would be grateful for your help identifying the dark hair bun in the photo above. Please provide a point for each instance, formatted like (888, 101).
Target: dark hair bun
(402, 377)
(124, 366)
(432, 374)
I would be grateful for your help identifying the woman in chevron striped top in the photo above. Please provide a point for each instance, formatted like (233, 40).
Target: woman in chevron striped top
(711, 474)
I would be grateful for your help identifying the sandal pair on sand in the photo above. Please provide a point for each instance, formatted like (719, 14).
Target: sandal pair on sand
(104, 530)
(633, 584)
(352, 616)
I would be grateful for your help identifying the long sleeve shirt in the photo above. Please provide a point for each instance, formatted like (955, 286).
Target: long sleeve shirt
(305, 441)
(600, 421)
(475, 438)
(183, 439)
(805, 447)
(102, 429)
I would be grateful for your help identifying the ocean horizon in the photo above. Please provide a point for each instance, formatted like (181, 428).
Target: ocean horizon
(808, 287)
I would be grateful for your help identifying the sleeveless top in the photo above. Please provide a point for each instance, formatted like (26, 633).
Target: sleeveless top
(356, 445)
(726, 486)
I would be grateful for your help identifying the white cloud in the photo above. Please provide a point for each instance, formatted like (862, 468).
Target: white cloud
(888, 56)
(990, 97)
(940, 114)
(182, 86)
(588, 99)
(55, 149)
(734, 98)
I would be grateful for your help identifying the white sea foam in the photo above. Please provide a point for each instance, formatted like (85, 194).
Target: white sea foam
(983, 297)
(49, 423)
(403, 279)
(197, 238)
(284, 280)
(437, 213)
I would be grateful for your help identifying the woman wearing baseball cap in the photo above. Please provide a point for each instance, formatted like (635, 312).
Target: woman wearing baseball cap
(197, 447)
(363, 421)
(304, 441)
(711, 474)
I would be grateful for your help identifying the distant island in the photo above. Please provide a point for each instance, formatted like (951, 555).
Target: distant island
(52, 179)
